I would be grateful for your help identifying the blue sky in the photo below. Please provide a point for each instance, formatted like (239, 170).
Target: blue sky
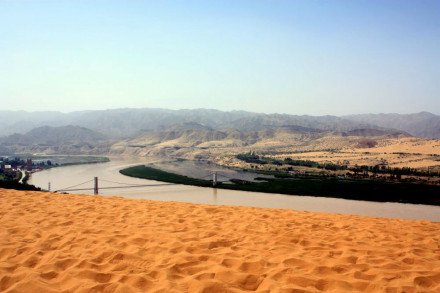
(296, 57)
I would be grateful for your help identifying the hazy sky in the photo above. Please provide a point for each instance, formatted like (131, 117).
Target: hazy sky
(296, 57)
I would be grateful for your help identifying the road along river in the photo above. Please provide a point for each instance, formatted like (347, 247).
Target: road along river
(109, 176)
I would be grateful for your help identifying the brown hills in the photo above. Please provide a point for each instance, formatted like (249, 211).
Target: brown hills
(218, 136)
(192, 139)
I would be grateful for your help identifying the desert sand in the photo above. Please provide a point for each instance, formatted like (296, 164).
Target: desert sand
(83, 243)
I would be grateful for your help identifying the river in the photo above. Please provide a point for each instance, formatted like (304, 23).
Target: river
(109, 176)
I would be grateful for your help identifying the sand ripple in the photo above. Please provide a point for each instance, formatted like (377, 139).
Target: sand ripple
(83, 243)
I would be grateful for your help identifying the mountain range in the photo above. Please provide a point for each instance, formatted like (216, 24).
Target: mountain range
(423, 124)
(50, 136)
(130, 123)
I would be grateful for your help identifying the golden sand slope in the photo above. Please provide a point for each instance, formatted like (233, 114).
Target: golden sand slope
(83, 243)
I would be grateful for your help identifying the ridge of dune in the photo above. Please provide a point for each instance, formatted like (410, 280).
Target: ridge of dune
(83, 243)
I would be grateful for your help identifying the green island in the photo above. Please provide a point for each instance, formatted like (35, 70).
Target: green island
(45, 162)
(356, 189)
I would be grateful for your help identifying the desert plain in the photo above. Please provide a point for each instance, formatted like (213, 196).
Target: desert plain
(83, 243)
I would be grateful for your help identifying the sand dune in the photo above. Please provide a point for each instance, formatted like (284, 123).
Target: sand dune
(82, 243)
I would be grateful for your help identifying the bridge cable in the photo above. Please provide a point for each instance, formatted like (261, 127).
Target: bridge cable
(75, 185)
(116, 182)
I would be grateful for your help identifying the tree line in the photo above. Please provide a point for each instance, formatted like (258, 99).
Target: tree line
(256, 159)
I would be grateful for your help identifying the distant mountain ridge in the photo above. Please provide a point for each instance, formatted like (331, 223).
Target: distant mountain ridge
(196, 137)
(117, 123)
(376, 132)
(52, 136)
(130, 123)
(423, 124)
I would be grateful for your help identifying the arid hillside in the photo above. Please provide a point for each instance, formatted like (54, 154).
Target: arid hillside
(199, 141)
(363, 146)
(74, 140)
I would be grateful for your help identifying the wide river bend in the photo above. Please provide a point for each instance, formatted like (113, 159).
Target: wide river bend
(109, 176)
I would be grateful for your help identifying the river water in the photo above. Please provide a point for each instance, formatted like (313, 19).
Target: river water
(109, 176)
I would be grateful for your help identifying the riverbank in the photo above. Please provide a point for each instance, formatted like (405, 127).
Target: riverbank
(81, 243)
(66, 161)
(368, 190)
(41, 163)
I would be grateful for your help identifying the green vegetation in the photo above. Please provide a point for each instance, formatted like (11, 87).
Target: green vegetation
(369, 190)
(9, 175)
(394, 171)
(68, 161)
(88, 160)
(277, 174)
(255, 159)
(159, 175)
(46, 162)
(13, 184)
(9, 180)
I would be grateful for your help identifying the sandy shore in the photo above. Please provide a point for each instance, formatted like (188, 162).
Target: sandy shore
(83, 243)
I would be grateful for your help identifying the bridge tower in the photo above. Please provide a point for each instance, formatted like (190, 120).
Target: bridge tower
(214, 179)
(96, 186)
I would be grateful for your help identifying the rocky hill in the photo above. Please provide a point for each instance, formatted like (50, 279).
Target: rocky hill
(47, 135)
(118, 123)
(266, 121)
(56, 140)
(376, 132)
(198, 142)
(423, 124)
(138, 131)
(126, 123)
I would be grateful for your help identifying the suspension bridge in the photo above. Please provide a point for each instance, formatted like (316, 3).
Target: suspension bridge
(121, 185)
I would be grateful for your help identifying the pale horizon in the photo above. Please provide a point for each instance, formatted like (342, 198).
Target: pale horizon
(236, 110)
(301, 58)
